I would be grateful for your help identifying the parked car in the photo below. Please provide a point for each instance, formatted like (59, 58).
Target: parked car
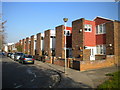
(26, 59)
(9, 54)
(3, 53)
(18, 55)
(12, 55)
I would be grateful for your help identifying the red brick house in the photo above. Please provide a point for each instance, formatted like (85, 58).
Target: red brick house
(60, 41)
(93, 35)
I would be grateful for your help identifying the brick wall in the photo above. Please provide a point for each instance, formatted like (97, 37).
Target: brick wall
(59, 48)
(90, 37)
(20, 42)
(117, 42)
(32, 52)
(47, 43)
(101, 39)
(47, 59)
(29, 51)
(23, 45)
(27, 45)
(100, 57)
(87, 65)
(77, 37)
(38, 44)
(109, 38)
(59, 62)
(86, 54)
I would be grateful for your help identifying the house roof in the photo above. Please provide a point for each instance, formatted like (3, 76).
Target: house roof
(103, 18)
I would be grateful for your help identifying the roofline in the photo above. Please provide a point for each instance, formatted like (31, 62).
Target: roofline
(103, 18)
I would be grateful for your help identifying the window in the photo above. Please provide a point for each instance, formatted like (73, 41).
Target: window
(100, 29)
(96, 29)
(52, 36)
(28, 56)
(41, 38)
(85, 29)
(104, 30)
(67, 32)
(88, 28)
(101, 49)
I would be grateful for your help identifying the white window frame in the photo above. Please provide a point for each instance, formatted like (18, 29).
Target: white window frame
(88, 26)
(101, 49)
(65, 32)
(100, 29)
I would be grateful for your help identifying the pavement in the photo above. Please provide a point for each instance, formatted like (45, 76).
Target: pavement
(87, 79)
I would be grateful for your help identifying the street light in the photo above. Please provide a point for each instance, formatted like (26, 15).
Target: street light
(65, 20)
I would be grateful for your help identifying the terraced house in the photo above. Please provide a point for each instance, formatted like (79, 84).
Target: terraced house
(60, 41)
(40, 44)
(93, 40)
(87, 40)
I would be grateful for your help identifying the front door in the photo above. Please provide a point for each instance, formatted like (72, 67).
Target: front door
(92, 56)
(67, 53)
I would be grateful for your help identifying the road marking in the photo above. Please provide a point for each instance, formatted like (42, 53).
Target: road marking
(34, 75)
(18, 86)
(32, 80)
(30, 72)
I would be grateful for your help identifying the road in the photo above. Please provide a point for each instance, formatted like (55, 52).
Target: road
(43, 75)
(17, 75)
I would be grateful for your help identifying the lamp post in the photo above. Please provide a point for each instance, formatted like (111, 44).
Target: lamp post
(65, 20)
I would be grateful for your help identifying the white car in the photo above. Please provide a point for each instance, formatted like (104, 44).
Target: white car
(12, 56)
(18, 55)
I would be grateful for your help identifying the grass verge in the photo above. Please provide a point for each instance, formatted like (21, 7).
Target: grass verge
(113, 82)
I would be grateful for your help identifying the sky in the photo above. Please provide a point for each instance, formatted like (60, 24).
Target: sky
(59, 0)
(25, 19)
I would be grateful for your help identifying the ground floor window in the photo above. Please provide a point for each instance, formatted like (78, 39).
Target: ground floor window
(101, 49)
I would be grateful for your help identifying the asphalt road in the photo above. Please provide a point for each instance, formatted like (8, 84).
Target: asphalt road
(17, 75)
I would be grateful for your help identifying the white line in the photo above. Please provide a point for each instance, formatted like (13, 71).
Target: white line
(30, 72)
(18, 86)
(32, 80)
(34, 75)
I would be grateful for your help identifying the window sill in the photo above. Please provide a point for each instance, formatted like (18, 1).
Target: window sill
(100, 54)
(100, 33)
(87, 31)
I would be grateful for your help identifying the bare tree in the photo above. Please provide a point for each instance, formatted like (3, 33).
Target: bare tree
(2, 32)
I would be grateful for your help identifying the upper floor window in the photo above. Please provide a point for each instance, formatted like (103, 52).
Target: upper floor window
(42, 38)
(67, 32)
(88, 28)
(52, 36)
(100, 29)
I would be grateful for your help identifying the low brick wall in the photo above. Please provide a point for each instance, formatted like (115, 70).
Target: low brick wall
(87, 65)
(83, 65)
(86, 55)
(48, 59)
(59, 62)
